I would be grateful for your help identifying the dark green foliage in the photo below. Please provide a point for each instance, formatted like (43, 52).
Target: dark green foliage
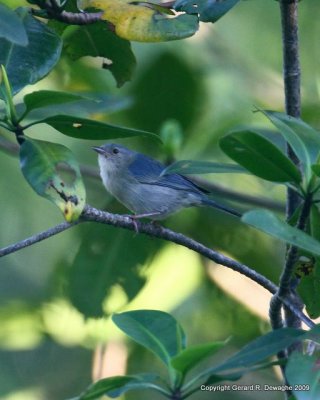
(106, 258)
(28, 64)
(168, 88)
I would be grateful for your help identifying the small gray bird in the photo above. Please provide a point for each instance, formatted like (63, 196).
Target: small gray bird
(136, 181)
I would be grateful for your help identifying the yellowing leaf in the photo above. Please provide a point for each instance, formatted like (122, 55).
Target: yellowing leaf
(144, 21)
(53, 173)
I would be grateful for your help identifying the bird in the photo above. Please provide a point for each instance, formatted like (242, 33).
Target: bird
(137, 182)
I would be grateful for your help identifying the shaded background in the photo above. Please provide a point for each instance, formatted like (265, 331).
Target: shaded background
(56, 297)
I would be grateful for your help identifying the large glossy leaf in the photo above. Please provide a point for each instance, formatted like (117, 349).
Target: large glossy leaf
(303, 139)
(202, 167)
(191, 356)
(303, 374)
(28, 64)
(208, 10)
(41, 164)
(99, 266)
(11, 27)
(45, 98)
(82, 128)
(269, 223)
(142, 22)
(259, 156)
(116, 385)
(97, 40)
(90, 104)
(155, 330)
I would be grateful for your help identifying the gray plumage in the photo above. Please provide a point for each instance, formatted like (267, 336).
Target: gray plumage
(134, 179)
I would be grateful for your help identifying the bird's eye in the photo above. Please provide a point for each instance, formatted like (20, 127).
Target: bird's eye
(115, 151)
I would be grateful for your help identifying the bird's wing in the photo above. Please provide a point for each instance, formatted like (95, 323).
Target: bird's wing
(148, 171)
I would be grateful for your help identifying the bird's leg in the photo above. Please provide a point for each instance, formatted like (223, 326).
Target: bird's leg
(134, 217)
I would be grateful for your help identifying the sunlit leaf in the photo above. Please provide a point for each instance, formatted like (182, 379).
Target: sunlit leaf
(191, 356)
(97, 40)
(153, 329)
(82, 128)
(42, 164)
(143, 22)
(11, 27)
(269, 223)
(259, 156)
(28, 64)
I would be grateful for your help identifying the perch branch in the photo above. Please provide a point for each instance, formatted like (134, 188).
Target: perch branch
(91, 214)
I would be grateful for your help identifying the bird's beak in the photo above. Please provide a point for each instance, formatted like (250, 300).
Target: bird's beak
(98, 149)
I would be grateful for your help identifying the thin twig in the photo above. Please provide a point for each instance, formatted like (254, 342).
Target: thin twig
(36, 238)
(121, 221)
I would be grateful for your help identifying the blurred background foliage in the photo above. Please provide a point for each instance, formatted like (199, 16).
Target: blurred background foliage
(57, 296)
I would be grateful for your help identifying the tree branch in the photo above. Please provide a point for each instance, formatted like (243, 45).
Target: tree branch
(91, 214)
(36, 238)
(291, 77)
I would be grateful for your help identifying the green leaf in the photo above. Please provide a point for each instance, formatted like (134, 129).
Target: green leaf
(259, 156)
(309, 291)
(303, 374)
(97, 40)
(202, 167)
(28, 64)
(82, 128)
(303, 139)
(269, 223)
(116, 385)
(153, 329)
(90, 104)
(233, 376)
(99, 265)
(191, 356)
(11, 27)
(208, 10)
(316, 169)
(309, 286)
(42, 164)
(259, 349)
(45, 98)
(171, 134)
(142, 381)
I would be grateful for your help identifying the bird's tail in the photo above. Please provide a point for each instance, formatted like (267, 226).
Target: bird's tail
(211, 203)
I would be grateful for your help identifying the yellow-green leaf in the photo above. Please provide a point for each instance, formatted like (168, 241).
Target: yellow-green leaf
(53, 173)
(144, 21)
